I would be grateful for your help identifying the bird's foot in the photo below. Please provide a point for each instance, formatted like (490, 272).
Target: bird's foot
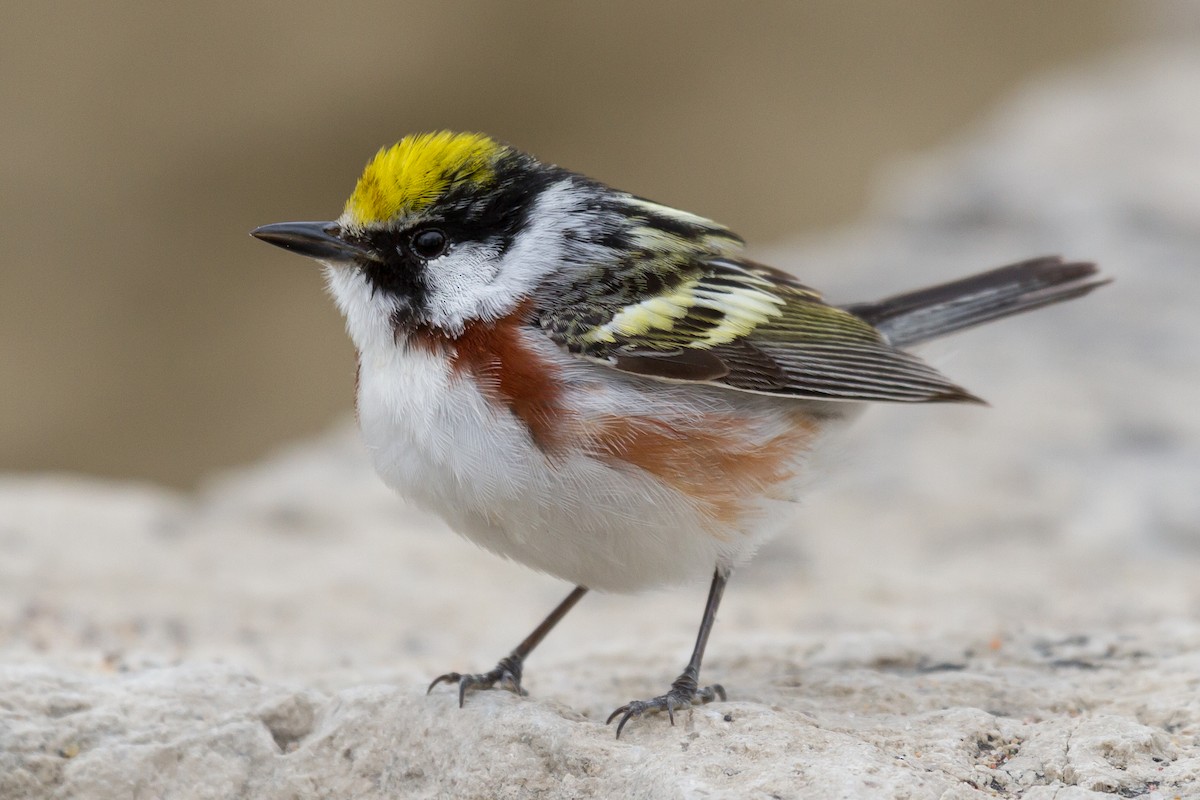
(683, 695)
(506, 675)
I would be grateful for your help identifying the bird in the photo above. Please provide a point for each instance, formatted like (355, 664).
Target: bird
(602, 387)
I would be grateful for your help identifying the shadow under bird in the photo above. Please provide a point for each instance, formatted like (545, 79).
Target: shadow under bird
(601, 387)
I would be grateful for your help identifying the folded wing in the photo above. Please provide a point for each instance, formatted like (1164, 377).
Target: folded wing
(728, 322)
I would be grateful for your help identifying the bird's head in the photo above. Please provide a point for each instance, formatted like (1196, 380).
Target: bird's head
(445, 229)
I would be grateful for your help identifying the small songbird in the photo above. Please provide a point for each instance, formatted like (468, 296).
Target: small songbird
(599, 386)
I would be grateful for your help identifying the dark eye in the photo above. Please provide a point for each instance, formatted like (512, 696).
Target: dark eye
(429, 242)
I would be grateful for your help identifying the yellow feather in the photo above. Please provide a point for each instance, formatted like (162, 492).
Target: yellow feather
(674, 306)
(750, 302)
(731, 328)
(654, 239)
(655, 313)
(745, 309)
(639, 319)
(412, 174)
(671, 213)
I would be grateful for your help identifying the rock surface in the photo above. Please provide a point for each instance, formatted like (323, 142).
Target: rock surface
(977, 603)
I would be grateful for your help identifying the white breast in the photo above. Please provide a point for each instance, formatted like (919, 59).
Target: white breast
(438, 441)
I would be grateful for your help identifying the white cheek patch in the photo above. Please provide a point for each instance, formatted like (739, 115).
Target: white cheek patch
(476, 282)
(541, 248)
(456, 285)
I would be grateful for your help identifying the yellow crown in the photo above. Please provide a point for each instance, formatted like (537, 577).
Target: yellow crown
(415, 172)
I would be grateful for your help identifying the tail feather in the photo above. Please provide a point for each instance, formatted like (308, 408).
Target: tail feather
(907, 319)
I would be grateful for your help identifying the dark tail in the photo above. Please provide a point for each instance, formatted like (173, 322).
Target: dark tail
(928, 313)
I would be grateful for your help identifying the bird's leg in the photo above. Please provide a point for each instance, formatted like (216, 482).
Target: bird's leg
(684, 692)
(508, 672)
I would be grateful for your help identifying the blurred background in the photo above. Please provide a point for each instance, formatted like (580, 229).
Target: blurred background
(144, 335)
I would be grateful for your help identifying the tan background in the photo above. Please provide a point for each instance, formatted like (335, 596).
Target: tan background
(144, 334)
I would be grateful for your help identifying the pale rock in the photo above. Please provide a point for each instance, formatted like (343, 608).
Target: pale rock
(977, 603)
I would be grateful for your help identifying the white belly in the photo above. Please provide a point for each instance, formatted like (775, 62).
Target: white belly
(437, 440)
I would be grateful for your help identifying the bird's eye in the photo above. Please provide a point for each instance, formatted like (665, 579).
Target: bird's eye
(429, 242)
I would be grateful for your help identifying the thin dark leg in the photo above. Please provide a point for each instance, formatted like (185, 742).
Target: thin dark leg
(715, 591)
(684, 691)
(508, 672)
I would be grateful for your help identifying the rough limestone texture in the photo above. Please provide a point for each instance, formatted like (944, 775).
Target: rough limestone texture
(975, 603)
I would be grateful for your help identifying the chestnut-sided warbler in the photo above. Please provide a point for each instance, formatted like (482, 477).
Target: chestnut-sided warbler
(601, 387)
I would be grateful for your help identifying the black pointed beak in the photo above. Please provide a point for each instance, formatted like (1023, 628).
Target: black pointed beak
(320, 240)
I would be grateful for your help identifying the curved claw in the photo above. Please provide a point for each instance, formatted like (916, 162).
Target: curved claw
(669, 702)
(507, 674)
(630, 709)
(463, 681)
